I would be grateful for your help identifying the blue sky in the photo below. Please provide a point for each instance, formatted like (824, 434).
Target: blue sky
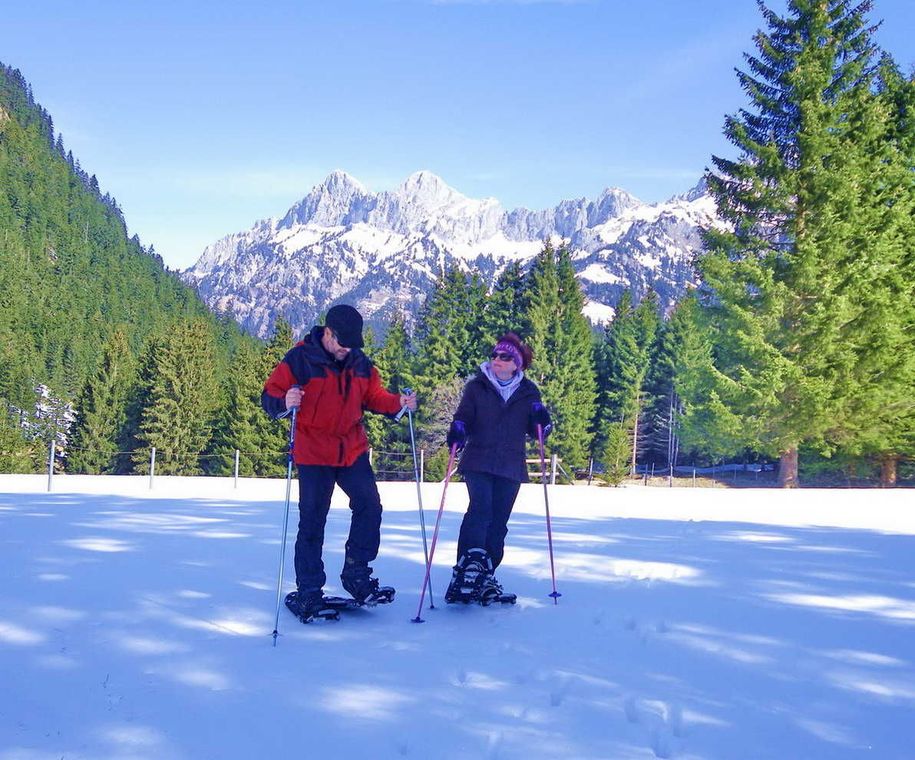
(203, 116)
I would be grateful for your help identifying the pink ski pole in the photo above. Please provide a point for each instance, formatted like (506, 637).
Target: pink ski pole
(546, 501)
(438, 520)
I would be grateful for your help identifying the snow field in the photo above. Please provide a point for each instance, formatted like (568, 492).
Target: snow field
(694, 623)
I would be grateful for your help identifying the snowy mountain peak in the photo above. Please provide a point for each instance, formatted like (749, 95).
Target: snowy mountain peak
(340, 183)
(698, 191)
(427, 189)
(340, 199)
(614, 201)
(382, 251)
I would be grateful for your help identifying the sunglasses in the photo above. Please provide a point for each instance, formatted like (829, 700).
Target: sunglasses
(503, 357)
(336, 338)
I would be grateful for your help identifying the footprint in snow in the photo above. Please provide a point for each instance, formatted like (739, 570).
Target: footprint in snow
(493, 744)
(559, 691)
(660, 744)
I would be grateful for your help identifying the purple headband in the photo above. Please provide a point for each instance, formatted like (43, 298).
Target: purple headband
(504, 347)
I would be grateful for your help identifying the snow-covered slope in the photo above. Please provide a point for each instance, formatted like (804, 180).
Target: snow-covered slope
(382, 251)
(693, 625)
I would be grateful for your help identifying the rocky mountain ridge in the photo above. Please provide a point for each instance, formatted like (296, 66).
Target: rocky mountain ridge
(383, 251)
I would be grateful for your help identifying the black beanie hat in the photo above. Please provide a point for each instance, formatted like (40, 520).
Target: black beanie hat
(346, 322)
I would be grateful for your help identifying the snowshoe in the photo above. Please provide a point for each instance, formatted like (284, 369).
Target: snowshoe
(341, 603)
(473, 581)
(383, 595)
(308, 606)
(468, 577)
(358, 581)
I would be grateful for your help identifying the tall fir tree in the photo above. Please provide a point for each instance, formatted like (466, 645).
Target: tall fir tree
(623, 360)
(506, 307)
(770, 277)
(272, 437)
(444, 332)
(393, 361)
(448, 341)
(657, 436)
(16, 453)
(560, 338)
(101, 409)
(178, 414)
(706, 427)
(875, 214)
(243, 426)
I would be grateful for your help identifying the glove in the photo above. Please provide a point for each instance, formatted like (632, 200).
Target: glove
(540, 416)
(457, 435)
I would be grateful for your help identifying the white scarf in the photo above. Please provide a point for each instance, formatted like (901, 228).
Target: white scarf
(507, 388)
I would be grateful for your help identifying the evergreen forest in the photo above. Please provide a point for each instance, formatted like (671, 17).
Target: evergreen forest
(796, 352)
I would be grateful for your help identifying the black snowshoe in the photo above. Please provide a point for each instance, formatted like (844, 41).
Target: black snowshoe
(366, 592)
(310, 605)
(473, 581)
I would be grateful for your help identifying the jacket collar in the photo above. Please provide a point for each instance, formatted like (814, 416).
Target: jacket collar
(318, 355)
(509, 392)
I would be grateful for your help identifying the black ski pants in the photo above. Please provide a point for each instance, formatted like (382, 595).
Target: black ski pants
(485, 523)
(316, 486)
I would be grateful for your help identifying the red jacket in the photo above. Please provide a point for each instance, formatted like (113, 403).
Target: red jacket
(329, 428)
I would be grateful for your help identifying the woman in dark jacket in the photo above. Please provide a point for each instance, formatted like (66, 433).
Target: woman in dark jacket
(499, 408)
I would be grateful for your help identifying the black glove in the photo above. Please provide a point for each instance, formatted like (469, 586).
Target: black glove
(457, 435)
(540, 416)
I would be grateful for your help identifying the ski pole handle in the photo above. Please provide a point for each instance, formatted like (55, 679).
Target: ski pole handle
(291, 441)
(403, 409)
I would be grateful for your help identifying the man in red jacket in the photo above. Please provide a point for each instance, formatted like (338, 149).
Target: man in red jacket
(331, 382)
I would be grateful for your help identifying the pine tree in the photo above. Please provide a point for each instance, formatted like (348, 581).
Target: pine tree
(506, 307)
(394, 364)
(449, 337)
(770, 280)
(236, 429)
(184, 394)
(705, 424)
(394, 360)
(272, 438)
(615, 452)
(875, 213)
(443, 332)
(101, 409)
(623, 361)
(560, 338)
(660, 405)
(16, 453)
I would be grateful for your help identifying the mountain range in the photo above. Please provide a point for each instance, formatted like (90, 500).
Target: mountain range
(383, 251)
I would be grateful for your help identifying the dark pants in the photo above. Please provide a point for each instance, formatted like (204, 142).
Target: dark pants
(485, 524)
(316, 485)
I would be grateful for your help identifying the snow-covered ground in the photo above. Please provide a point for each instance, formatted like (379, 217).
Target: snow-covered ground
(693, 623)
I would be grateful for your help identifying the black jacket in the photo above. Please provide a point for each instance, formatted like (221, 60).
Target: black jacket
(496, 429)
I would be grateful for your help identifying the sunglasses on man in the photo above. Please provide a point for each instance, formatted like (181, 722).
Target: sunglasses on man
(502, 356)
